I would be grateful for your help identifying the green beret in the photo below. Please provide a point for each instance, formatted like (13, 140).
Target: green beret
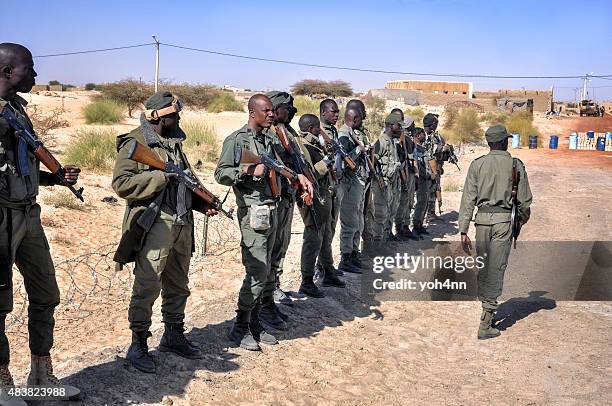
(497, 133)
(277, 98)
(159, 100)
(393, 118)
(430, 119)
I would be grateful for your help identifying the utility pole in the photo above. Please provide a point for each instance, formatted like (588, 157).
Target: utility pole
(156, 61)
(584, 86)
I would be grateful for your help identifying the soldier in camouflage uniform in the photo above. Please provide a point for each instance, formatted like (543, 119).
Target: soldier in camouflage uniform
(316, 241)
(329, 111)
(384, 200)
(351, 193)
(488, 187)
(435, 143)
(257, 217)
(162, 260)
(22, 238)
(423, 182)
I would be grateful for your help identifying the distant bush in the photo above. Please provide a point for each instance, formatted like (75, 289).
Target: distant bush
(494, 117)
(54, 83)
(522, 123)
(130, 93)
(306, 105)
(466, 128)
(45, 122)
(334, 88)
(90, 86)
(417, 114)
(93, 149)
(201, 143)
(375, 109)
(133, 93)
(451, 186)
(450, 117)
(224, 101)
(103, 111)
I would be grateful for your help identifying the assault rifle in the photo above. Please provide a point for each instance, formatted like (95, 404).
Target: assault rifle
(404, 166)
(40, 151)
(145, 155)
(452, 157)
(515, 220)
(339, 149)
(299, 162)
(374, 169)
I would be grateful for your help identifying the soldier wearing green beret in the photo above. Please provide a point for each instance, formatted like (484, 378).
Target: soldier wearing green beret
(257, 217)
(384, 200)
(22, 238)
(315, 243)
(162, 261)
(488, 187)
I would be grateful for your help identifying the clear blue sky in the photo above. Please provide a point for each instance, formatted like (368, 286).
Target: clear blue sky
(483, 37)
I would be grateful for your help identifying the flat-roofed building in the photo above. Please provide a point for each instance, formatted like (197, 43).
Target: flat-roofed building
(433, 87)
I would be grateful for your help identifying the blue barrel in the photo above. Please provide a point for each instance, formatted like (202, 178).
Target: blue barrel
(516, 140)
(554, 142)
(573, 141)
(601, 143)
(590, 134)
(608, 135)
(533, 141)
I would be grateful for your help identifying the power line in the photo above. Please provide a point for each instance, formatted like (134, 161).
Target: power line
(288, 62)
(94, 50)
(346, 68)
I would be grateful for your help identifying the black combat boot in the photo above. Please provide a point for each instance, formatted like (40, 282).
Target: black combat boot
(138, 353)
(308, 288)
(331, 279)
(346, 264)
(408, 234)
(259, 333)
(268, 315)
(356, 259)
(240, 334)
(174, 340)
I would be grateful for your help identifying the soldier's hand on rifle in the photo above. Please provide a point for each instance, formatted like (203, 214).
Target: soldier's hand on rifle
(72, 174)
(306, 185)
(466, 243)
(255, 170)
(211, 212)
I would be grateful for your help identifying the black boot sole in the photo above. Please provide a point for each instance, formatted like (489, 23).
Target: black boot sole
(237, 343)
(146, 371)
(488, 336)
(163, 348)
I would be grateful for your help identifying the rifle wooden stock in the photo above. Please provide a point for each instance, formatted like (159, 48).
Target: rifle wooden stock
(145, 155)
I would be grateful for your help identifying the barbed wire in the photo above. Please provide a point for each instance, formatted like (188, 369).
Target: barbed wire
(91, 282)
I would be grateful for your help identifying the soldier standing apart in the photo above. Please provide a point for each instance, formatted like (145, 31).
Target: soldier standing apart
(384, 199)
(488, 186)
(352, 193)
(423, 182)
(329, 113)
(22, 238)
(257, 217)
(406, 201)
(435, 143)
(316, 242)
(162, 260)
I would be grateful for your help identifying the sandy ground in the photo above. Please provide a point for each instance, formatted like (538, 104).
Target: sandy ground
(338, 349)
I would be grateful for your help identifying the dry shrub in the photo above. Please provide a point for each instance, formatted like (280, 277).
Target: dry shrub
(306, 105)
(93, 149)
(201, 142)
(45, 122)
(103, 111)
(417, 114)
(334, 88)
(63, 199)
(466, 128)
(224, 101)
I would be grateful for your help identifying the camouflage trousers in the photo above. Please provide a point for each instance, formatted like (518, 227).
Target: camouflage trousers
(162, 266)
(23, 241)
